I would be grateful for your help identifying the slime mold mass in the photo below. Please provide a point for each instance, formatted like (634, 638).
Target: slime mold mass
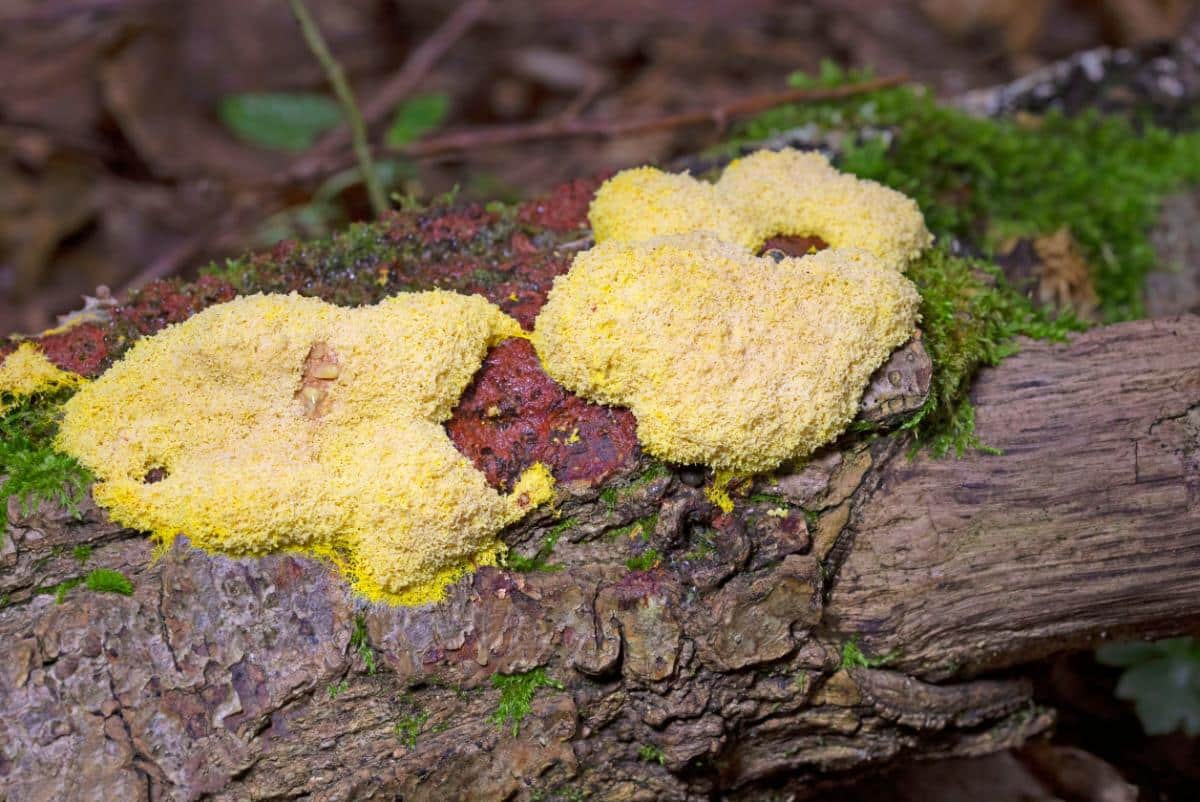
(765, 194)
(27, 371)
(280, 423)
(728, 359)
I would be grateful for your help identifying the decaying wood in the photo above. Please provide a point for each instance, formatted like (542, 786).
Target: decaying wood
(1088, 522)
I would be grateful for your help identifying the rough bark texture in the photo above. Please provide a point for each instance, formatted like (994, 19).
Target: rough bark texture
(765, 647)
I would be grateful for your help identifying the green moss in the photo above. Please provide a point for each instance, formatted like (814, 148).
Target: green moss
(985, 179)
(336, 688)
(652, 754)
(611, 495)
(33, 470)
(540, 561)
(409, 727)
(360, 642)
(516, 696)
(641, 528)
(644, 561)
(66, 586)
(704, 540)
(82, 553)
(367, 262)
(853, 656)
(970, 318)
(106, 580)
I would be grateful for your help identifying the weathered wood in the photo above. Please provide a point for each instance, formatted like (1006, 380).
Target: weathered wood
(1089, 523)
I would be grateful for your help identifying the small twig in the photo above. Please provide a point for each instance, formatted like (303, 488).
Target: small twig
(405, 81)
(561, 128)
(341, 87)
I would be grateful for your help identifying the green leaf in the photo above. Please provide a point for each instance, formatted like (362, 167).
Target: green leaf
(416, 117)
(1162, 680)
(280, 121)
(1126, 653)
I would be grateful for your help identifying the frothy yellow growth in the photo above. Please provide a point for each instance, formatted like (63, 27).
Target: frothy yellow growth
(281, 423)
(726, 359)
(766, 194)
(27, 371)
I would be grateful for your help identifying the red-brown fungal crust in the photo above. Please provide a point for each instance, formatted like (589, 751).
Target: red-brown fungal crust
(514, 415)
(456, 224)
(88, 348)
(82, 349)
(564, 208)
(162, 303)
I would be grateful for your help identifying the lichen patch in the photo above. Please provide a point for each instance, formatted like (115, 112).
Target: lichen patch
(280, 423)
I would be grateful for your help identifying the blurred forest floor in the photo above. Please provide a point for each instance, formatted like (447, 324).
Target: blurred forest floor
(117, 165)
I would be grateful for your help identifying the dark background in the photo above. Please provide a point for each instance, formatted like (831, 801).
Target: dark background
(116, 168)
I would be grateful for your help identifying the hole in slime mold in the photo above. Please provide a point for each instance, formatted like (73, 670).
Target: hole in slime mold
(321, 368)
(791, 246)
(155, 474)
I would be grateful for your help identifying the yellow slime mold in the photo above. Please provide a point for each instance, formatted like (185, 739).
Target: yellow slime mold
(280, 423)
(726, 359)
(27, 371)
(765, 194)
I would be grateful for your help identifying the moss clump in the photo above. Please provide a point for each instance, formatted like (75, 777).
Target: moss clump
(705, 544)
(361, 643)
(651, 754)
(106, 580)
(986, 179)
(645, 561)
(516, 696)
(63, 588)
(853, 656)
(539, 561)
(33, 470)
(408, 728)
(970, 318)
